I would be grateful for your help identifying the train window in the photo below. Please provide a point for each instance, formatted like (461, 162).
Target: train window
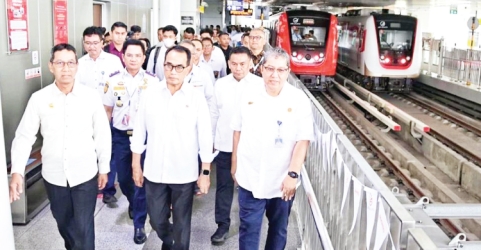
(395, 39)
(308, 35)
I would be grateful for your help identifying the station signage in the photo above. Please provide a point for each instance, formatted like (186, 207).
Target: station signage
(247, 12)
(236, 5)
(60, 28)
(17, 25)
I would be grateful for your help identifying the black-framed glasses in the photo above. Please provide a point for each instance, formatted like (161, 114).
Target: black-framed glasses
(61, 64)
(178, 68)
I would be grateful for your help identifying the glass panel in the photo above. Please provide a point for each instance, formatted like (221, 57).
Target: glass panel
(308, 35)
(396, 39)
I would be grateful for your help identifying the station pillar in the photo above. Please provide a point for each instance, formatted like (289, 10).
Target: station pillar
(6, 228)
(169, 13)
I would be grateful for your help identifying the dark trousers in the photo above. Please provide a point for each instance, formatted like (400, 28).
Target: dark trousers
(225, 190)
(73, 208)
(159, 198)
(251, 213)
(123, 161)
(110, 186)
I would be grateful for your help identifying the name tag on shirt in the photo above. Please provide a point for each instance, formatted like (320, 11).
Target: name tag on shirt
(119, 88)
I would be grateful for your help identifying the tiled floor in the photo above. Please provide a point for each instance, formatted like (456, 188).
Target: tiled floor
(114, 230)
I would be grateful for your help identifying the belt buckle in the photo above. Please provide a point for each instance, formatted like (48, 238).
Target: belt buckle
(130, 132)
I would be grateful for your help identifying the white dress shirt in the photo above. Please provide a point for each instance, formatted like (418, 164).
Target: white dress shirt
(128, 90)
(217, 62)
(75, 131)
(208, 69)
(159, 67)
(94, 73)
(262, 164)
(199, 79)
(227, 94)
(178, 128)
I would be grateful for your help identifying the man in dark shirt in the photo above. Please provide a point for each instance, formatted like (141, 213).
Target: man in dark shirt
(224, 40)
(256, 44)
(119, 34)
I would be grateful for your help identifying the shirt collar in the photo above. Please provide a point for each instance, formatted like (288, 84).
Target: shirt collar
(186, 89)
(139, 74)
(56, 90)
(281, 94)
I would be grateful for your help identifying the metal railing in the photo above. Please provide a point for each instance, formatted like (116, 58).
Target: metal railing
(328, 186)
(456, 64)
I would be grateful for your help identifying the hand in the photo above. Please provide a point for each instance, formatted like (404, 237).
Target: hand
(288, 188)
(103, 179)
(16, 187)
(204, 183)
(138, 176)
(233, 170)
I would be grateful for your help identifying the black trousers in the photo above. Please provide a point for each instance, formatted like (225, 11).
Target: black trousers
(225, 190)
(73, 208)
(159, 198)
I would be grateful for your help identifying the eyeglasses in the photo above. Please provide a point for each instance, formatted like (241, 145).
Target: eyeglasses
(178, 68)
(280, 71)
(208, 46)
(61, 64)
(258, 38)
(88, 44)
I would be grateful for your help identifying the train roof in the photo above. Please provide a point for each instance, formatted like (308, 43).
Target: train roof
(316, 13)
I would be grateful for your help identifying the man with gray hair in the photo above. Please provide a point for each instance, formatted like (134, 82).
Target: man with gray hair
(257, 41)
(272, 130)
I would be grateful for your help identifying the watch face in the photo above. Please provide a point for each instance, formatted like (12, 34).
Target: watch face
(205, 172)
(293, 175)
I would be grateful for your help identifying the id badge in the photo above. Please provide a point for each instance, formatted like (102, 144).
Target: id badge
(125, 120)
(216, 74)
(278, 141)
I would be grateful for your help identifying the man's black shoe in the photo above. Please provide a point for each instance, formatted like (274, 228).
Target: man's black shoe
(139, 236)
(107, 199)
(131, 213)
(166, 246)
(219, 237)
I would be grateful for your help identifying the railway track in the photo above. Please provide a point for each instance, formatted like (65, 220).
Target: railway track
(398, 163)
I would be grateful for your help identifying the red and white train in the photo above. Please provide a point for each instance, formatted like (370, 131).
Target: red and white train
(381, 52)
(310, 37)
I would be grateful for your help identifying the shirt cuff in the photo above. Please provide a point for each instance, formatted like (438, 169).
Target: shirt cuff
(104, 167)
(207, 157)
(137, 149)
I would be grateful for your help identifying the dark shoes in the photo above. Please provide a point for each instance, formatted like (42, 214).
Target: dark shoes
(139, 236)
(166, 246)
(108, 199)
(131, 213)
(219, 237)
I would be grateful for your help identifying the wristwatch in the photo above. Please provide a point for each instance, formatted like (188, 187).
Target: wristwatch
(205, 172)
(293, 174)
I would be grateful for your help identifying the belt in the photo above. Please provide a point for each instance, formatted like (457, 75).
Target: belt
(123, 132)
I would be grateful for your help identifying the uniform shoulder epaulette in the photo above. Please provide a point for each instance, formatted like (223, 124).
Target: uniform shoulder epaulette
(150, 74)
(115, 73)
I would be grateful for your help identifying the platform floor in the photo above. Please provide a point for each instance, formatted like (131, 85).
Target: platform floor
(471, 93)
(114, 230)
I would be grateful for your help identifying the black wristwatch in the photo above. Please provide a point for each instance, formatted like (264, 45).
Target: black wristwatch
(205, 172)
(293, 174)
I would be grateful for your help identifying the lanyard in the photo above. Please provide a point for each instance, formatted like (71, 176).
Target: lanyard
(258, 64)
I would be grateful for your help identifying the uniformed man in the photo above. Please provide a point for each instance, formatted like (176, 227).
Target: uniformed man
(227, 94)
(123, 93)
(119, 34)
(272, 130)
(175, 121)
(257, 41)
(93, 71)
(157, 55)
(75, 151)
(199, 51)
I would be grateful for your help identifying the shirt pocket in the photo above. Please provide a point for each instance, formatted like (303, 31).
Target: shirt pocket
(52, 119)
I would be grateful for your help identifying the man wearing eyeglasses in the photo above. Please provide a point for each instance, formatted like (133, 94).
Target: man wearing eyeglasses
(93, 71)
(272, 130)
(177, 121)
(257, 42)
(123, 94)
(75, 151)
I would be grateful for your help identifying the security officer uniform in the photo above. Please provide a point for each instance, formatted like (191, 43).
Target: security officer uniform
(123, 93)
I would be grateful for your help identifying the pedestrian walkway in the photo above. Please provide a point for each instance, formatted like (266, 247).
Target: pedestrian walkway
(114, 230)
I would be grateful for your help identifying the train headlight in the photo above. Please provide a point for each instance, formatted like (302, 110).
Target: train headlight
(387, 60)
(382, 57)
(299, 57)
(321, 55)
(403, 61)
(294, 54)
(408, 58)
(316, 57)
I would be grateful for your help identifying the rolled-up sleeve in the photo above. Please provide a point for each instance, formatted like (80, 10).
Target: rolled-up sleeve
(137, 143)
(102, 137)
(25, 137)
(204, 132)
(305, 127)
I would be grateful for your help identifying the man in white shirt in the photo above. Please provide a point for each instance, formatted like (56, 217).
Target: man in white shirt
(93, 70)
(157, 55)
(227, 94)
(272, 130)
(177, 121)
(75, 151)
(199, 51)
(213, 55)
(122, 98)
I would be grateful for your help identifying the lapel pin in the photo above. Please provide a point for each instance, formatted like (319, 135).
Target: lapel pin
(51, 105)
(289, 110)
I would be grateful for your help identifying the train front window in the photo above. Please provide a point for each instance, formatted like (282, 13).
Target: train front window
(396, 39)
(308, 36)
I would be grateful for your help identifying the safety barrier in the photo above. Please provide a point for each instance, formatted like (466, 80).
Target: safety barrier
(456, 64)
(358, 209)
